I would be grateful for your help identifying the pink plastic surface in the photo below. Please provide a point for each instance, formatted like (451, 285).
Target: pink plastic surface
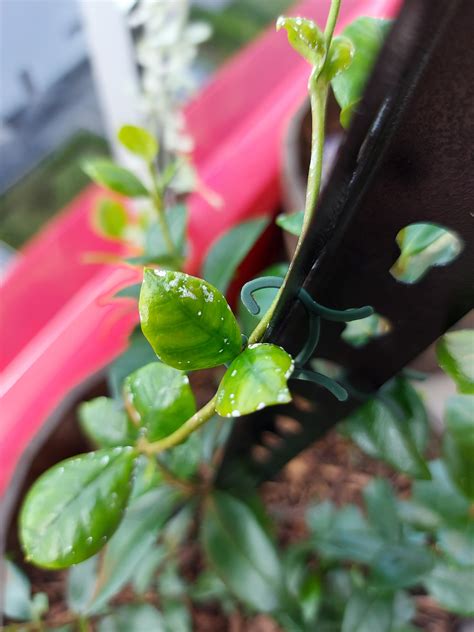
(58, 325)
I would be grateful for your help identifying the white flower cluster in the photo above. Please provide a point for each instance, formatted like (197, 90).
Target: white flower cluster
(166, 51)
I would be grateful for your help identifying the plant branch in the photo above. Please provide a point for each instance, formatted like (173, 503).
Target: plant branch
(157, 200)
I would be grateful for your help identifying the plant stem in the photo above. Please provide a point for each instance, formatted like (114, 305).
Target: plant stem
(157, 199)
(319, 91)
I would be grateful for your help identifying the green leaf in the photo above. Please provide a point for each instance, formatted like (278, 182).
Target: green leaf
(423, 246)
(394, 430)
(255, 379)
(144, 574)
(139, 142)
(106, 424)
(110, 218)
(401, 565)
(229, 250)
(456, 357)
(16, 600)
(291, 223)
(457, 544)
(265, 297)
(306, 38)
(159, 399)
(367, 36)
(136, 355)
(187, 321)
(39, 605)
(156, 248)
(359, 332)
(131, 291)
(381, 508)
(133, 541)
(458, 444)
(339, 58)
(242, 553)
(177, 616)
(368, 611)
(133, 618)
(451, 586)
(114, 177)
(73, 508)
(81, 585)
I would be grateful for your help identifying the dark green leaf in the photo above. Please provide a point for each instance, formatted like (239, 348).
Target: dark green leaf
(156, 249)
(291, 223)
(177, 616)
(184, 459)
(133, 618)
(368, 611)
(456, 358)
(401, 565)
(381, 508)
(229, 250)
(16, 600)
(242, 553)
(451, 586)
(106, 424)
(367, 36)
(255, 379)
(187, 321)
(306, 38)
(210, 587)
(136, 355)
(74, 508)
(114, 177)
(139, 142)
(81, 585)
(110, 218)
(265, 298)
(394, 430)
(159, 399)
(458, 444)
(423, 246)
(133, 542)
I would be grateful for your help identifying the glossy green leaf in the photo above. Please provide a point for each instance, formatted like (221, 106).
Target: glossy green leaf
(340, 55)
(265, 298)
(133, 618)
(423, 246)
(16, 602)
(106, 424)
(136, 355)
(229, 250)
(156, 248)
(114, 177)
(291, 223)
(110, 218)
(187, 321)
(255, 379)
(139, 142)
(81, 584)
(133, 541)
(380, 503)
(394, 430)
(456, 357)
(242, 553)
(367, 36)
(401, 565)
(451, 586)
(359, 332)
(159, 399)
(368, 611)
(305, 37)
(73, 508)
(458, 444)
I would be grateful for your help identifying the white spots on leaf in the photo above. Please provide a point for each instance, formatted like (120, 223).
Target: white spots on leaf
(208, 294)
(261, 405)
(160, 273)
(235, 413)
(89, 540)
(184, 292)
(199, 313)
(105, 459)
(234, 373)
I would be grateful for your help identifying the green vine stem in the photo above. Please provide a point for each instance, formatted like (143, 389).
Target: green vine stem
(157, 200)
(319, 90)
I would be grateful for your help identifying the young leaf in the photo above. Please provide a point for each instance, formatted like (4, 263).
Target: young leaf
(228, 252)
(159, 399)
(456, 357)
(339, 57)
(139, 142)
(306, 38)
(394, 430)
(367, 36)
(133, 541)
(255, 379)
(81, 584)
(368, 611)
(73, 508)
(114, 177)
(293, 223)
(242, 553)
(133, 618)
(458, 445)
(187, 321)
(451, 586)
(110, 218)
(106, 424)
(16, 601)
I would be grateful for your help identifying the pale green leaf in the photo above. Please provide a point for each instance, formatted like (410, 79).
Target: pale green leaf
(139, 142)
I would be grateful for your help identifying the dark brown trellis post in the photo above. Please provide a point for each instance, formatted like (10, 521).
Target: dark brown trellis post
(408, 157)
